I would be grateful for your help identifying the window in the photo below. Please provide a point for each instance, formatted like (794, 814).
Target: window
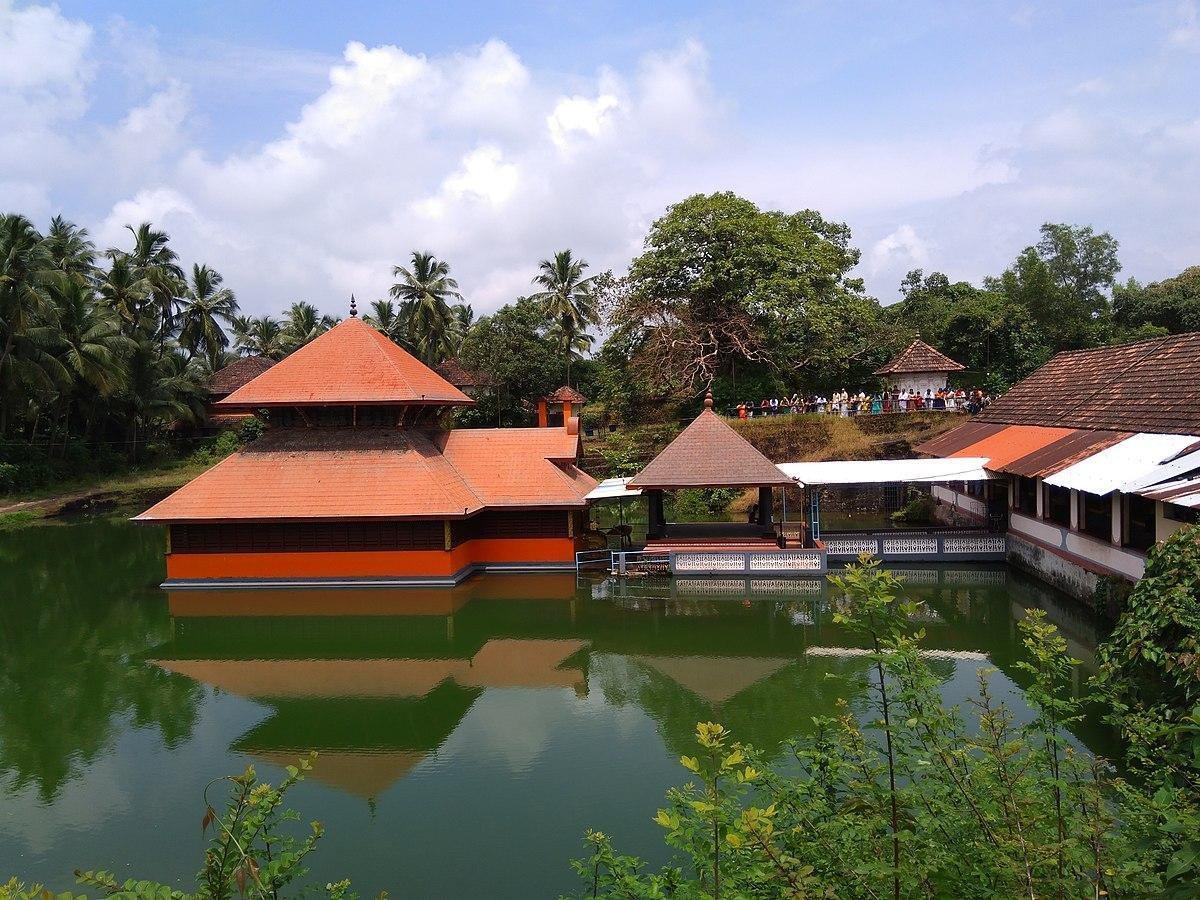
(1177, 513)
(1026, 496)
(1139, 522)
(1095, 516)
(1057, 505)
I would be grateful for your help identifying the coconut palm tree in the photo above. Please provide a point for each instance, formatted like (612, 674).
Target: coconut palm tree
(24, 301)
(260, 336)
(386, 318)
(158, 265)
(426, 291)
(568, 300)
(206, 304)
(69, 247)
(91, 345)
(125, 291)
(303, 323)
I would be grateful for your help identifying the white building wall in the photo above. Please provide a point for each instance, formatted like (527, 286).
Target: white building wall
(1164, 527)
(919, 381)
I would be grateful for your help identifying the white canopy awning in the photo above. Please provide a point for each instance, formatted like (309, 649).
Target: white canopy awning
(1129, 461)
(882, 471)
(613, 489)
(1176, 467)
(1184, 492)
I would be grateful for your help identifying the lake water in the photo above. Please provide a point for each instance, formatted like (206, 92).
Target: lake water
(468, 737)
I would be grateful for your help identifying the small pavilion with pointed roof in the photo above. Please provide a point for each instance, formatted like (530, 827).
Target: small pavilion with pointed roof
(919, 367)
(709, 454)
(358, 478)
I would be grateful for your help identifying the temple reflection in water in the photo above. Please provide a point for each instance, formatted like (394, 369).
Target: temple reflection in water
(377, 680)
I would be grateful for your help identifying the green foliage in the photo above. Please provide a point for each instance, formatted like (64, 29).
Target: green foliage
(723, 285)
(922, 800)
(1150, 665)
(1172, 305)
(11, 521)
(512, 346)
(917, 511)
(701, 505)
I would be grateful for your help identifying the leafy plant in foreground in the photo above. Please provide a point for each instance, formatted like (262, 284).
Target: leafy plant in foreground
(920, 800)
(250, 853)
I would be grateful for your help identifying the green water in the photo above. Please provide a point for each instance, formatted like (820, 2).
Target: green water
(467, 737)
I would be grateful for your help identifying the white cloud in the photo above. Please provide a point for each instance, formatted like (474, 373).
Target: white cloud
(39, 48)
(1096, 87)
(903, 247)
(580, 116)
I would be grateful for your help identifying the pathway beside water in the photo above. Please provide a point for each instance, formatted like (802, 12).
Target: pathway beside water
(468, 736)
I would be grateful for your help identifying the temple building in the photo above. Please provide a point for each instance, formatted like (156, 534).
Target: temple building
(356, 480)
(919, 367)
(1100, 455)
(224, 382)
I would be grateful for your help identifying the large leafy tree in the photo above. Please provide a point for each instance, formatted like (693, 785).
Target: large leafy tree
(427, 291)
(510, 346)
(1172, 304)
(722, 284)
(568, 300)
(207, 303)
(156, 265)
(1064, 282)
(69, 247)
(24, 299)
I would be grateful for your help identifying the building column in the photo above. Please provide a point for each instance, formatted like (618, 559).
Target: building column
(765, 502)
(543, 414)
(1074, 509)
(654, 514)
(1041, 499)
(1118, 521)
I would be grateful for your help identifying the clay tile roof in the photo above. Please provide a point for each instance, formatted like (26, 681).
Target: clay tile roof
(237, 373)
(324, 473)
(519, 466)
(567, 394)
(383, 473)
(920, 357)
(460, 376)
(1147, 386)
(1012, 443)
(351, 363)
(708, 453)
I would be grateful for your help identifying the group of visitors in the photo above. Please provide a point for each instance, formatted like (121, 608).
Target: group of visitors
(843, 403)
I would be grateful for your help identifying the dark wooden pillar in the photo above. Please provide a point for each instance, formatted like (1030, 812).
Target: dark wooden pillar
(655, 517)
(765, 513)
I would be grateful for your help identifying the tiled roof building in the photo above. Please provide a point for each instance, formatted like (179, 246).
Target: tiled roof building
(919, 357)
(357, 479)
(1102, 452)
(224, 382)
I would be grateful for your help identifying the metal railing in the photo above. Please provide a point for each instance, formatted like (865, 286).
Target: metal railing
(586, 559)
(643, 562)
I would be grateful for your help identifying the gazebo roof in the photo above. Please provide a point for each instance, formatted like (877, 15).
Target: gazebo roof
(350, 364)
(920, 357)
(709, 454)
(567, 394)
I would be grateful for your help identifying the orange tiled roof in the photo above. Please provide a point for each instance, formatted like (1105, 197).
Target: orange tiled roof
(513, 467)
(920, 357)
(708, 453)
(382, 473)
(1012, 443)
(351, 363)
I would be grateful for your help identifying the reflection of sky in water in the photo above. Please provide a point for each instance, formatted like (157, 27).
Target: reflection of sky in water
(466, 747)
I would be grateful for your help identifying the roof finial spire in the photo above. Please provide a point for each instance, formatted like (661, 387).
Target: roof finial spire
(708, 399)
(353, 307)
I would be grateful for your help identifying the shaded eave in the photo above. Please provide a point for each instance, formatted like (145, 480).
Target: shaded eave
(227, 406)
(144, 519)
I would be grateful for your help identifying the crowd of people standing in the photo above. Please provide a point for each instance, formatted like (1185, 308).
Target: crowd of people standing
(843, 403)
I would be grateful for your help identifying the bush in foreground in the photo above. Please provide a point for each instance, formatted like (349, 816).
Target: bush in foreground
(924, 801)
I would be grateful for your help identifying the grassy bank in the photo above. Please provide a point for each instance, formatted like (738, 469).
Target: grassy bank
(792, 438)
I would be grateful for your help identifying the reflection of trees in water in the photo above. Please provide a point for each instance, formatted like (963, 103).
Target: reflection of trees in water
(765, 713)
(77, 606)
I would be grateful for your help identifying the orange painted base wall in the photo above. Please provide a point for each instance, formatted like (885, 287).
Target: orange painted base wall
(370, 563)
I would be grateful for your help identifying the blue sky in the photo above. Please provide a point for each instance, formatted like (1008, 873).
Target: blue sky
(302, 149)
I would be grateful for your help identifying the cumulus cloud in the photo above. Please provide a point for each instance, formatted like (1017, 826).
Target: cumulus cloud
(903, 247)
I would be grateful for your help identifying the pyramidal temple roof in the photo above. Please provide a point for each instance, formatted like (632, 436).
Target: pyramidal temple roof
(920, 357)
(709, 454)
(350, 364)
